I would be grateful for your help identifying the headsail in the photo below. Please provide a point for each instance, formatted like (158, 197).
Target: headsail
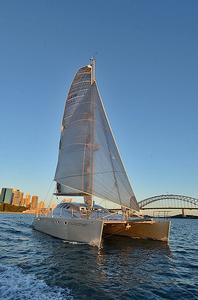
(89, 162)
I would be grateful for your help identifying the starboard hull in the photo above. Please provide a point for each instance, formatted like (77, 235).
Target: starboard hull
(91, 231)
(153, 230)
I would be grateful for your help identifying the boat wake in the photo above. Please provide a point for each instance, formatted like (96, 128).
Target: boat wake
(74, 243)
(15, 284)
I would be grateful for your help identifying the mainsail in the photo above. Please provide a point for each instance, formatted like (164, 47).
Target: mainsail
(89, 162)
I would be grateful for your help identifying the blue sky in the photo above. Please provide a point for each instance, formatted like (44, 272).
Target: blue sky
(147, 73)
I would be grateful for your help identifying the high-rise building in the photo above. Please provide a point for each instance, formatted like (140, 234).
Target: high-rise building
(22, 203)
(27, 200)
(6, 195)
(2, 195)
(21, 199)
(34, 202)
(41, 205)
(17, 197)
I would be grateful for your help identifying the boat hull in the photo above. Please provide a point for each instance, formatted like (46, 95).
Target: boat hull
(92, 231)
(153, 230)
(79, 230)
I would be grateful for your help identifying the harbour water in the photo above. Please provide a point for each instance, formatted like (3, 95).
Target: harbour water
(37, 266)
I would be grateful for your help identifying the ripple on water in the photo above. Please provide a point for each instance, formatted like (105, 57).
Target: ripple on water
(37, 266)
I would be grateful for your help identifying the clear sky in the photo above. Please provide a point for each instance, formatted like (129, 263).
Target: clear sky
(147, 73)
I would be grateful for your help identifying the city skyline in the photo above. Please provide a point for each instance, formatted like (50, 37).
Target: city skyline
(147, 74)
(17, 197)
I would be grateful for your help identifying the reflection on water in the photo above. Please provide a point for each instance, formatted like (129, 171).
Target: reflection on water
(122, 269)
(124, 249)
(120, 266)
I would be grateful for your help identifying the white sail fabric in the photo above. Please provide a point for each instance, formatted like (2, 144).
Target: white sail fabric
(76, 129)
(110, 178)
(89, 161)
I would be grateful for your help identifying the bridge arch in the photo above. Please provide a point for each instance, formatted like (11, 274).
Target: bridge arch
(168, 197)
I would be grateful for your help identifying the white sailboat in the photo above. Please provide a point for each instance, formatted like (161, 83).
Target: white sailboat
(89, 165)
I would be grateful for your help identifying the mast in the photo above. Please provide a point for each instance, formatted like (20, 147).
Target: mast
(93, 70)
(89, 167)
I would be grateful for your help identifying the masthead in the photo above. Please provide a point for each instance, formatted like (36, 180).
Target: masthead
(93, 69)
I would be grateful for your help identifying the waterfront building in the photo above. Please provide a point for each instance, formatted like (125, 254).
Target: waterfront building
(6, 195)
(34, 202)
(22, 203)
(17, 197)
(41, 205)
(27, 200)
(21, 199)
(2, 195)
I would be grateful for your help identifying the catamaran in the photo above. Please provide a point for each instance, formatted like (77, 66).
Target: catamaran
(90, 166)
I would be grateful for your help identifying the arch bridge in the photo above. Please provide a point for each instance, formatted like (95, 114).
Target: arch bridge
(169, 201)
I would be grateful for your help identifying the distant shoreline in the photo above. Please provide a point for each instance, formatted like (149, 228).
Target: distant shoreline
(175, 217)
(16, 212)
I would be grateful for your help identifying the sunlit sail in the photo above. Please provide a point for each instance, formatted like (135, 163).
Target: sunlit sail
(89, 162)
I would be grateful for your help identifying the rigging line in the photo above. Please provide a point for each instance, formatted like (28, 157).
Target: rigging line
(51, 198)
(46, 195)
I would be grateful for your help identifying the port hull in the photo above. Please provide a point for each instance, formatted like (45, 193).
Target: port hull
(93, 231)
(75, 230)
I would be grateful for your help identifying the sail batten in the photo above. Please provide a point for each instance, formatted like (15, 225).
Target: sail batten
(89, 160)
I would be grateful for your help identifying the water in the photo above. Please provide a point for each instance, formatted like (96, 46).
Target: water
(37, 266)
